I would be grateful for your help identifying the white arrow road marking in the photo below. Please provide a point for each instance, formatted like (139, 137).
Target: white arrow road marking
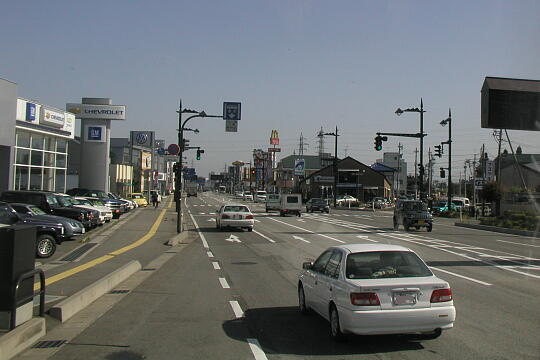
(233, 238)
(365, 237)
(210, 220)
(201, 213)
(302, 239)
(301, 220)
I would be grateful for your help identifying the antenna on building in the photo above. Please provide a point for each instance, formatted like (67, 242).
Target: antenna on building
(321, 142)
(302, 145)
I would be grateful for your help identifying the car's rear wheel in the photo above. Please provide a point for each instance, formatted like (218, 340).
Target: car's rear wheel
(335, 328)
(302, 300)
(432, 335)
(250, 229)
(429, 227)
(45, 246)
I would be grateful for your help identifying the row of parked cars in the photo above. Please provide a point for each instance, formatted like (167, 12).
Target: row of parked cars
(59, 217)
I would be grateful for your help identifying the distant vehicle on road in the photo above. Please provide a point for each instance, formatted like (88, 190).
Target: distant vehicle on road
(191, 189)
(317, 204)
(272, 202)
(290, 204)
(139, 199)
(248, 197)
(412, 213)
(233, 215)
(376, 289)
(260, 196)
(346, 200)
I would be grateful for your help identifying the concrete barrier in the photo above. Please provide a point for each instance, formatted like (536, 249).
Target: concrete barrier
(177, 239)
(81, 299)
(21, 338)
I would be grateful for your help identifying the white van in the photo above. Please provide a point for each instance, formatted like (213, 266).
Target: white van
(260, 196)
(272, 202)
(290, 204)
(461, 202)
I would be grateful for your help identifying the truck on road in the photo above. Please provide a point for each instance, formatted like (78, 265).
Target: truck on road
(191, 189)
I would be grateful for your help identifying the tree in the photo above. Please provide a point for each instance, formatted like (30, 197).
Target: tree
(491, 192)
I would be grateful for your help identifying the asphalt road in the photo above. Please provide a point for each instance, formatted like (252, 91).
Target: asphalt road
(232, 294)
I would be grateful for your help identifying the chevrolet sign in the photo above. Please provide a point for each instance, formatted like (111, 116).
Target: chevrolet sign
(88, 111)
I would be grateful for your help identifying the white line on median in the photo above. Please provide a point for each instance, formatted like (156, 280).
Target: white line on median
(510, 242)
(205, 243)
(216, 265)
(238, 312)
(308, 231)
(209, 253)
(461, 276)
(224, 283)
(256, 349)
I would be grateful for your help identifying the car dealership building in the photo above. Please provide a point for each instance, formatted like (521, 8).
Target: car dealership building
(33, 142)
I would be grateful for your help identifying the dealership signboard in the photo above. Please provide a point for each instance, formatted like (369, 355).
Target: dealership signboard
(95, 133)
(92, 111)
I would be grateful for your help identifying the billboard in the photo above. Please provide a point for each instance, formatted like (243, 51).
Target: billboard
(510, 104)
(92, 111)
(299, 167)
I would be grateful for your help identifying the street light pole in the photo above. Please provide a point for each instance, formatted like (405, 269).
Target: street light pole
(448, 121)
(335, 171)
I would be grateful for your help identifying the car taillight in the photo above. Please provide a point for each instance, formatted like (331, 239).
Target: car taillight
(225, 216)
(249, 217)
(365, 299)
(441, 295)
(80, 217)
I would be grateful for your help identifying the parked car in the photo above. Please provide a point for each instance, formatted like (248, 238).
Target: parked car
(375, 289)
(442, 206)
(67, 201)
(272, 202)
(72, 227)
(317, 204)
(48, 202)
(105, 214)
(412, 213)
(139, 199)
(117, 207)
(48, 233)
(129, 205)
(248, 197)
(378, 203)
(346, 200)
(232, 215)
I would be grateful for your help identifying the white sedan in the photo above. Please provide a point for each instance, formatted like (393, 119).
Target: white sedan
(374, 289)
(232, 215)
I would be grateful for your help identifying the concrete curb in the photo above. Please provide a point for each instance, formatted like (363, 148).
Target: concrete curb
(498, 229)
(21, 338)
(178, 239)
(78, 301)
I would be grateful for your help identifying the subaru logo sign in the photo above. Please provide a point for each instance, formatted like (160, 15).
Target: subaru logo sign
(141, 138)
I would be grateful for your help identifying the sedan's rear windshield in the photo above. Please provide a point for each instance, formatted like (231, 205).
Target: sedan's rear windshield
(235, 209)
(318, 201)
(385, 264)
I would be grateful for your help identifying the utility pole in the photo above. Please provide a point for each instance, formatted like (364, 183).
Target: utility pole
(335, 171)
(430, 166)
(474, 184)
(415, 173)
(399, 167)
(484, 158)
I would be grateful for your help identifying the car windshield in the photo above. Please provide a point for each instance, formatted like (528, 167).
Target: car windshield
(318, 201)
(235, 209)
(414, 206)
(136, 196)
(35, 210)
(385, 264)
(64, 201)
(97, 202)
(81, 202)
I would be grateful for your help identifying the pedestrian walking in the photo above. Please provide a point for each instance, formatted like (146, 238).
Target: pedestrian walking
(155, 200)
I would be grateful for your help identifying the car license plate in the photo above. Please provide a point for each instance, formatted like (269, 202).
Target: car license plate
(421, 222)
(404, 298)
(236, 217)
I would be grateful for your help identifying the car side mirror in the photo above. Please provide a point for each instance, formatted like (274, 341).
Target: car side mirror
(307, 265)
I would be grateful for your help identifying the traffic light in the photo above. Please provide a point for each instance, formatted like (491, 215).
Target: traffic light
(378, 142)
(199, 152)
(420, 168)
(442, 173)
(438, 150)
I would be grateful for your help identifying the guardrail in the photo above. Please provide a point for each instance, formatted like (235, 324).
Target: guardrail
(16, 303)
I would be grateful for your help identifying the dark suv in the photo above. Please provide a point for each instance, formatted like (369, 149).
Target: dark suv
(49, 232)
(317, 204)
(412, 213)
(48, 202)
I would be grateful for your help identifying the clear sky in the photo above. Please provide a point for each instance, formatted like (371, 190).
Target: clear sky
(294, 65)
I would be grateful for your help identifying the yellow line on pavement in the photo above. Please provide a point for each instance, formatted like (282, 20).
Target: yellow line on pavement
(102, 259)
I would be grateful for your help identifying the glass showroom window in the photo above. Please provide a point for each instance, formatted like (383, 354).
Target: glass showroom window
(40, 162)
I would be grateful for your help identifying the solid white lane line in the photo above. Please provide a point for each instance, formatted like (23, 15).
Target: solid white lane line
(203, 239)
(209, 253)
(511, 242)
(364, 237)
(224, 283)
(216, 265)
(461, 276)
(264, 236)
(256, 349)
(308, 231)
(238, 312)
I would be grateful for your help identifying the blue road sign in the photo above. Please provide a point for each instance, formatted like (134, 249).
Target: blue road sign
(231, 110)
